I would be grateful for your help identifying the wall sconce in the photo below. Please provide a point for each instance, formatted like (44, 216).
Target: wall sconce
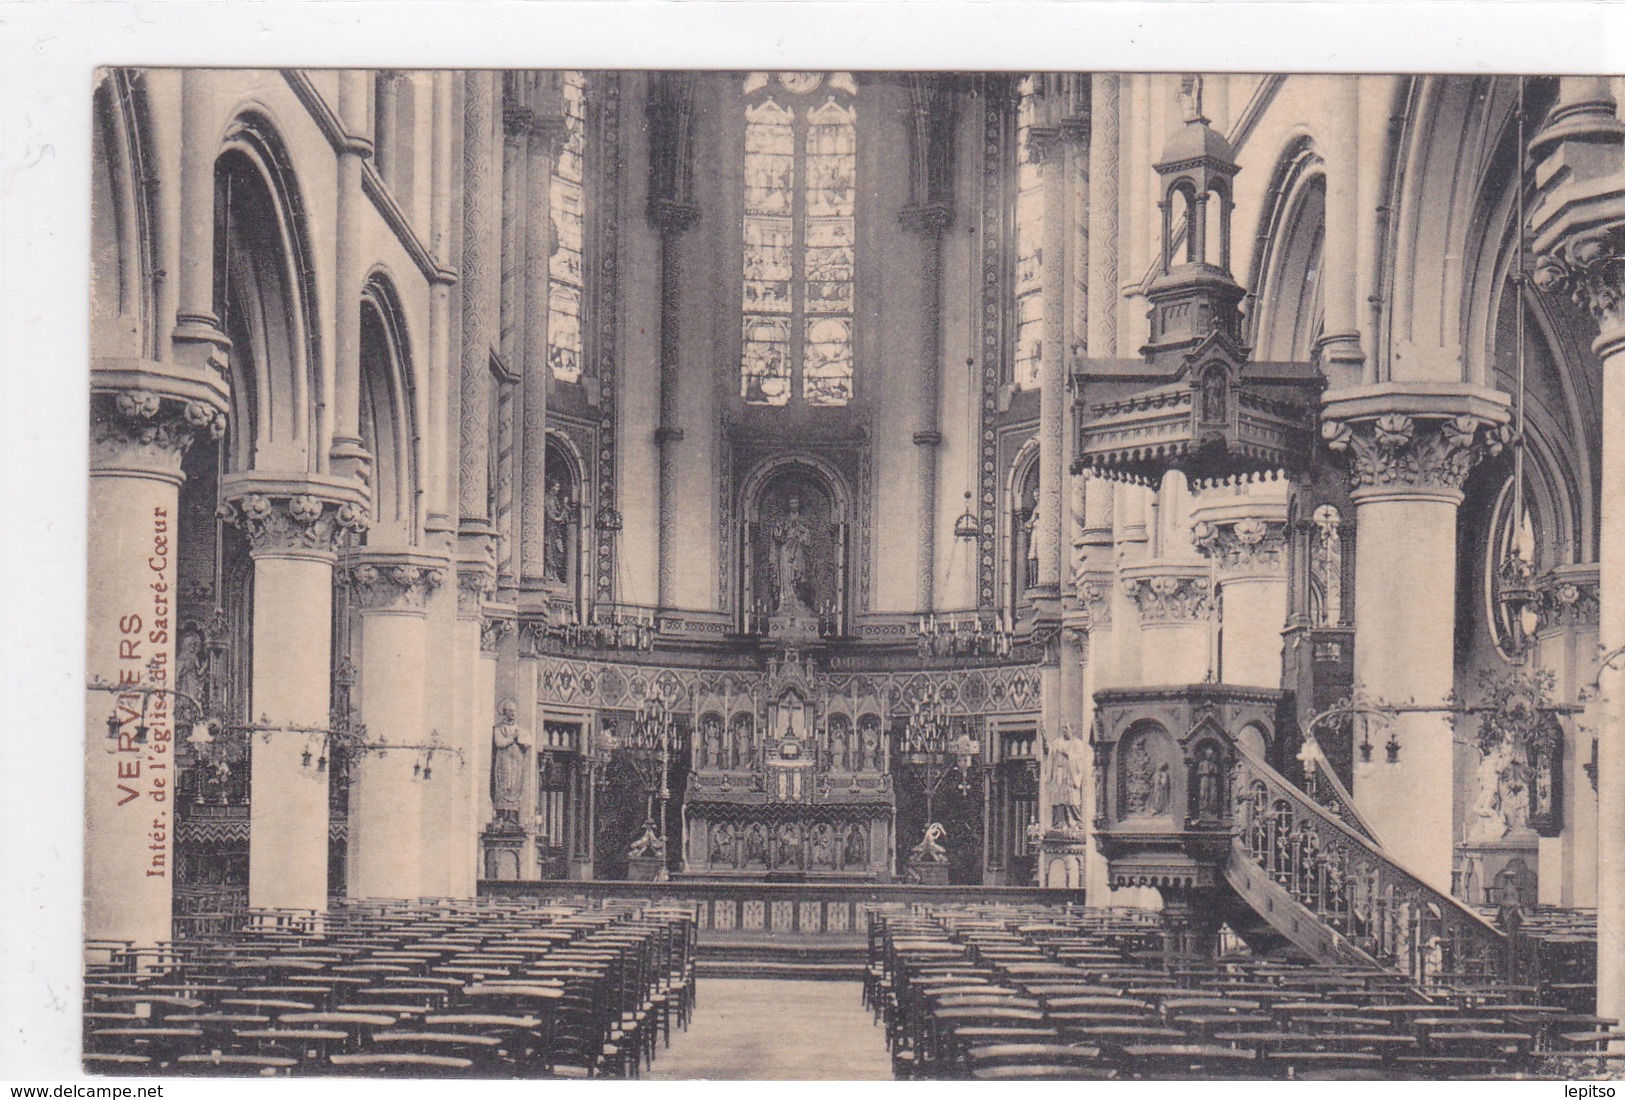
(1393, 747)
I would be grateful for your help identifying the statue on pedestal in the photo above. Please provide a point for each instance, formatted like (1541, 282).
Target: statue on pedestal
(509, 750)
(1068, 770)
(794, 538)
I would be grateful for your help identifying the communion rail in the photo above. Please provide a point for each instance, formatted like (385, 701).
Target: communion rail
(1349, 883)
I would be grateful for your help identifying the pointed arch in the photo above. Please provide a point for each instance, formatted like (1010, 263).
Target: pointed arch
(124, 265)
(1287, 315)
(389, 429)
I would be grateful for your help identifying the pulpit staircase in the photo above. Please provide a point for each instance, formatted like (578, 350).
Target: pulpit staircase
(1312, 875)
(1184, 806)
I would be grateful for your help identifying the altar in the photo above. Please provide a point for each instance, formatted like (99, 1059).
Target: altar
(789, 782)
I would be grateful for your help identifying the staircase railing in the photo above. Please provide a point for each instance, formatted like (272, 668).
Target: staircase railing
(1356, 888)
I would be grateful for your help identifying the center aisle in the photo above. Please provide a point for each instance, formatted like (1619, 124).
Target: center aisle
(752, 1030)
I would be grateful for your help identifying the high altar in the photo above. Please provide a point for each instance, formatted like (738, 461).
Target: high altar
(790, 779)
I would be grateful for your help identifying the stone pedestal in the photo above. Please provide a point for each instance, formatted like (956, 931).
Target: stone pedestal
(1488, 873)
(927, 874)
(504, 852)
(645, 868)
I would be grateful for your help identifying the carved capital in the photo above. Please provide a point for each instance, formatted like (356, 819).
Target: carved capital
(1242, 546)
(142, 431)
(671, 217)
(475, 581)
(1094, 598)
(1171, 597)
(392, 584)
(492, 630)
(1589, 268)
(293, 524)
(928, 219)
(1399, 451)
(1568, 599)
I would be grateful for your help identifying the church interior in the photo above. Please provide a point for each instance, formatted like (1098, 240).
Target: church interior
(1089, 558)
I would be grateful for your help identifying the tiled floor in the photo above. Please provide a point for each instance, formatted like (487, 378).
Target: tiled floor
(776, 1031)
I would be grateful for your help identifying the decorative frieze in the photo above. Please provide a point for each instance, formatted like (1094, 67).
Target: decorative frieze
(295, 523)
(147, 430)
(392, 585)
(1396, 450)
(1171, 596)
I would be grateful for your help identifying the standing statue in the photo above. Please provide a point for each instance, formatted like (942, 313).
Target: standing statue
(722, 844)
(856, 849)
(1161, 790)
(509, 747)
(1068, 770)
(557, 511)
(712, 757)
(839, 747)
(1207, 781)
(794, 538)
(823, 846)
(1488, 821)
(191, 677)
(869, 752)
(756, 844)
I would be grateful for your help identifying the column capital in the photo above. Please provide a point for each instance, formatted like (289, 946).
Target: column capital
(1405, 440)
(302, 517)
(475, 581)
(1589, 268)
(495, 627)
(1170, 593)
(392, 582)
(145, 416)
(927, 219)
(1570, 596)
(1242, 546)
(671, 217)
(1095, 600)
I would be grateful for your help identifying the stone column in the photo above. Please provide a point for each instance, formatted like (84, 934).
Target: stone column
(542, 147)
(293, 526)
(480, 278)
(386, 788)
(198, 339)
(349, 457)
(1410, 451)
(671, 219)
(1242, 530)
(1340, 346)
(928, 220)
(144, 417)
(463, 805)
(1579, 237)
(1102, 215)
(1175, 604)
(1044, 146)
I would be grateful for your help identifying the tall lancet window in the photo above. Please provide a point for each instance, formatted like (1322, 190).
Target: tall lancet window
(567, 197)
(801, 164)
(1029, 246)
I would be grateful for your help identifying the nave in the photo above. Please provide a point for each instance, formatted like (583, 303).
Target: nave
(484, 989)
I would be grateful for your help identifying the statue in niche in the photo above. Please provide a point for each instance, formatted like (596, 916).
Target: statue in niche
(1213, 394)
(191, 677)
(793, 577)
(756, 844)
(1068, 770)
(869, 749)
(712, 753)
(789, 838)
(558, 510)
(722, 844)
(1207, 781)
(840, 746)
(1136, 768)
(509, 747)
(856, 849)
(823, 846)
(1161, 790)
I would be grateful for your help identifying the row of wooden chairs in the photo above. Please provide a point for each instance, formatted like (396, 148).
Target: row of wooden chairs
(968, 991)
(419, 988)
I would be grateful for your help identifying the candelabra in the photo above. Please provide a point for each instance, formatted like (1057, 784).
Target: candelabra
(616, 628)
(935, 746)
(652, 742)
(963, 635)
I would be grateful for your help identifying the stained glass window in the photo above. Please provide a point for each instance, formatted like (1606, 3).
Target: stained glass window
(568, 201)
(799, 238)
(1029, 248)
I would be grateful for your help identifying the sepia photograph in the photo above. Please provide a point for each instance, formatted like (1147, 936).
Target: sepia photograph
(889, 574)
